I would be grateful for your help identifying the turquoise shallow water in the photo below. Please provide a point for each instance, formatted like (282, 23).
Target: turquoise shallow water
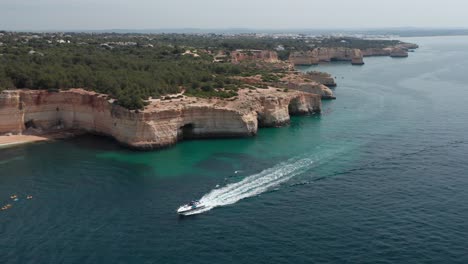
(381, 176)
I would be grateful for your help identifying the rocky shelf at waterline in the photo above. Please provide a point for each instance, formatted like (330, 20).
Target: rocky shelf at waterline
(162, 123)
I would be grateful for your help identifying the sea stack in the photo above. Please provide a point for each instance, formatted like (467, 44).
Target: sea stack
(357, 58)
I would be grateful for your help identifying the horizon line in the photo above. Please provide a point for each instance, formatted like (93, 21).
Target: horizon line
(247, 29)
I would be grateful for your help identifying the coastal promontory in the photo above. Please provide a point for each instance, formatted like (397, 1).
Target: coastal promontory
(160, 124)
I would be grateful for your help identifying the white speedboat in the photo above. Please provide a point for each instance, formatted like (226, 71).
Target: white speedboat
(190, 208)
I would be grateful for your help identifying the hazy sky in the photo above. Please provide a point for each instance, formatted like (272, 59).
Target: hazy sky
(271, 14)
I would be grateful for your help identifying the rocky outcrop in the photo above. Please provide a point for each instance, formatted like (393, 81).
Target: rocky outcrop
(161, 124)
(399, 50)
(311, 82)
(376, 52)
(256, 55)
(337, 54)
(355, 56)
(301, 82)
(315, 88)
(399, 53)
(303, 58)
(318, 55)
(321, 77)
(407, 46)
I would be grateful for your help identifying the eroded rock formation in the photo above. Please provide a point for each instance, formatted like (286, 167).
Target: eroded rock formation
(300, 82)
(376, 52)
(326, 55)
(258, 55)
(307, 82)
(338, 54)
(321, 77)
(355, 56)
(161, 124)
(399, 53)
(303, 58)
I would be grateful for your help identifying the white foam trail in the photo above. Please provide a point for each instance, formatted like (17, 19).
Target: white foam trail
(254, 184)
(268, 179)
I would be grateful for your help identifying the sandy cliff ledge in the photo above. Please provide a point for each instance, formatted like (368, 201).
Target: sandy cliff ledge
(161, 124)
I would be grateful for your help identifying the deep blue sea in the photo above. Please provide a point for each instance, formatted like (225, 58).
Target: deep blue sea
(381, 176)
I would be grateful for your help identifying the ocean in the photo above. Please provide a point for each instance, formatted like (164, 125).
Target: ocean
(381, 176)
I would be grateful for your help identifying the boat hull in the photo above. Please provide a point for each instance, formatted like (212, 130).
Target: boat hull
(189, 211)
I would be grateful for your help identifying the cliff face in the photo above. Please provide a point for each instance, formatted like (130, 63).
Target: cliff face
(311, 82)
(338, 54)
(160, 124)
(326, 55)
(259, 55)
(321, 77)
(400, 50)
(41, 110)
(399, 53)
(315, 88)
(303, 58)
(376, 52)
(355, 56)
(306, 83)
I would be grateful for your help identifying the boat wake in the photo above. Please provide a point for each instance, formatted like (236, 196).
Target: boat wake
(254, 184)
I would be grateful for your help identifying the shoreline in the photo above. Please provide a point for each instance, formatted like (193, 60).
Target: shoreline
(15, 140)
(58, 115)
(8, 141)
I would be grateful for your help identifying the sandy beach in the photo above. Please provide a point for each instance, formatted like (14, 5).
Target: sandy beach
(7, 141)
(13, 140)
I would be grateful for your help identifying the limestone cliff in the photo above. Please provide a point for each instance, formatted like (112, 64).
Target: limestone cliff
(311, 82)
(301, 82)
(355, 56)
(399, 53)
(326, 55)
(161, 124)
(338, 54)
(299, 58)
(376, 52)
(400, 50)
(321, 77)
(257, 55)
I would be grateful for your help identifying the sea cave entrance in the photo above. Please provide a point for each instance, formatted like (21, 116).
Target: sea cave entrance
(293, 107)
(186, 131)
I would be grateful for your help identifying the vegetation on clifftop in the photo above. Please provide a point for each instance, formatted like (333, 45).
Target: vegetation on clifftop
(128, 74)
